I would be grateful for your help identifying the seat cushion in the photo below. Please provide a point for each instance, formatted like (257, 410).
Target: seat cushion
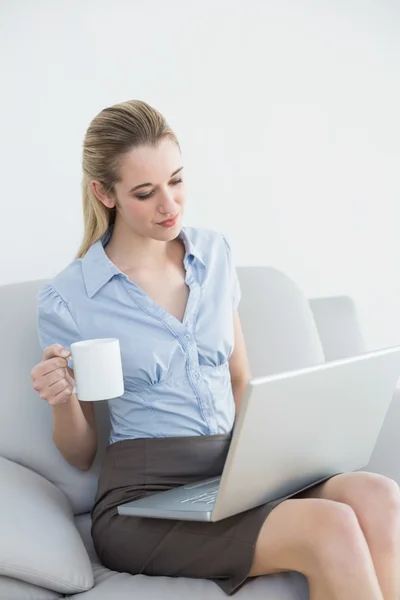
(122, 586)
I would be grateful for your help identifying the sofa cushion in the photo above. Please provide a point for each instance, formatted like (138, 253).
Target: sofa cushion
(278, 323)
(338, 326)
(39, 542)
(121, 586)
(15, 589)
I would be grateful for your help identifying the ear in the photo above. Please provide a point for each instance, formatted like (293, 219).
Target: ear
(98, 190)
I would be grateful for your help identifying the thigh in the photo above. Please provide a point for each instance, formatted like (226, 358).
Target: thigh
(212, 550)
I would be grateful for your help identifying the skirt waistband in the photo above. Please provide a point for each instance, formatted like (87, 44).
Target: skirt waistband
(173, 459)
(170, 441)
(134, 468)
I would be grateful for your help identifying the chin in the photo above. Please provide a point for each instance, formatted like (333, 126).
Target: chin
(165, 235)
(170, 233)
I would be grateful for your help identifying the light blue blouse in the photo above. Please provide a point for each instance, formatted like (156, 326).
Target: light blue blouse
(176, 374)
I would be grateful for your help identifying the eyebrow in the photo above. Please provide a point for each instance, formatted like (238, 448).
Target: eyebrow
(137, 187)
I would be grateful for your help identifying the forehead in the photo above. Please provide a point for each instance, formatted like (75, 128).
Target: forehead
(150, 164)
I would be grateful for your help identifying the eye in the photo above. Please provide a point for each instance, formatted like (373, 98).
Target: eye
(145, 196)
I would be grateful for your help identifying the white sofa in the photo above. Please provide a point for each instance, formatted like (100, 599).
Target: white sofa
(45, 545)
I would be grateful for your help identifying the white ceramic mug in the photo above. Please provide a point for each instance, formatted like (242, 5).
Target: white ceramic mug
(98, 369)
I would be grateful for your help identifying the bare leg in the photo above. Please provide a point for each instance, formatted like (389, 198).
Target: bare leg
(376, 502)
(323, 540)
(319, 591)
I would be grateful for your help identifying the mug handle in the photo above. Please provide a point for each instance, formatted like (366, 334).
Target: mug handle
(72, 365)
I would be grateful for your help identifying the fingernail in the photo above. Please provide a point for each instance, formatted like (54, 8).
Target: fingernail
(64, 352)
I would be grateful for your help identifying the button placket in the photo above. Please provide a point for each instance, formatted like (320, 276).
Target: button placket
(189, 343)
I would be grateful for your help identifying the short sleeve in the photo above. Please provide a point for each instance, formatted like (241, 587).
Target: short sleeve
(55, 322)
(234, 279)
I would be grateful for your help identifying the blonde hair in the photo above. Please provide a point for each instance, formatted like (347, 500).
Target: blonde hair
(112, 133)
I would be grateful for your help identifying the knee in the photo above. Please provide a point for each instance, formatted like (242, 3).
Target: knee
(375, 496)
(379, 509)
(336, 537)
(310, 536)
(385, 492)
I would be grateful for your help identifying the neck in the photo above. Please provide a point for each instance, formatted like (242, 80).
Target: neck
(130, 251)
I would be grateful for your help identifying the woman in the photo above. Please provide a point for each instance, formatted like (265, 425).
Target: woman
(170, 294)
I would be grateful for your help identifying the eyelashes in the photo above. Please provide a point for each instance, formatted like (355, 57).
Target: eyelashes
(145, 196)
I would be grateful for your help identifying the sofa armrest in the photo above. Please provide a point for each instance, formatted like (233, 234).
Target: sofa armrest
(386, 455)
(39, 542)
(338, 326)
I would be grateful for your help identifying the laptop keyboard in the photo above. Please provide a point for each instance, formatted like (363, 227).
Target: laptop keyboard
(206, 498)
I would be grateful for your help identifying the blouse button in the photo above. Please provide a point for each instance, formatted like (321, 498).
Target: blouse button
(187, 337)
(196, 375)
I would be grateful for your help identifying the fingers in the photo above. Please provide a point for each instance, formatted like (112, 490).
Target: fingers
(48, 366)
(58, 393)
(55, 350)
(70, 379)
(51, 378)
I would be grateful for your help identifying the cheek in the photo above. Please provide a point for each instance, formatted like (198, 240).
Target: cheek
(135, 210)
(180, 194)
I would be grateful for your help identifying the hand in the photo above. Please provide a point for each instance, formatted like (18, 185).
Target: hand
(52, 378)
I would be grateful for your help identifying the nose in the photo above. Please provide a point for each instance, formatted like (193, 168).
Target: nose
(168, 205)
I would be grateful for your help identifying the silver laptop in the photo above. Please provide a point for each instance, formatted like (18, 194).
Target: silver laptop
(294, 429)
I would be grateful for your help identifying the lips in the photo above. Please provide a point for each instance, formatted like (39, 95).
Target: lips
(169, 222)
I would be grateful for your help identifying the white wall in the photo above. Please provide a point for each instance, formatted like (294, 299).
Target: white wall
(288, 115)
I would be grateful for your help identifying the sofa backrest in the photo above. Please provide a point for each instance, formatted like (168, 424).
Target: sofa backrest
(338, 326)
(25, 419)
(277, 321)
(280, 334)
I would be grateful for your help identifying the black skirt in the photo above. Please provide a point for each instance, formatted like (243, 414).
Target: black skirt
(222, 551)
